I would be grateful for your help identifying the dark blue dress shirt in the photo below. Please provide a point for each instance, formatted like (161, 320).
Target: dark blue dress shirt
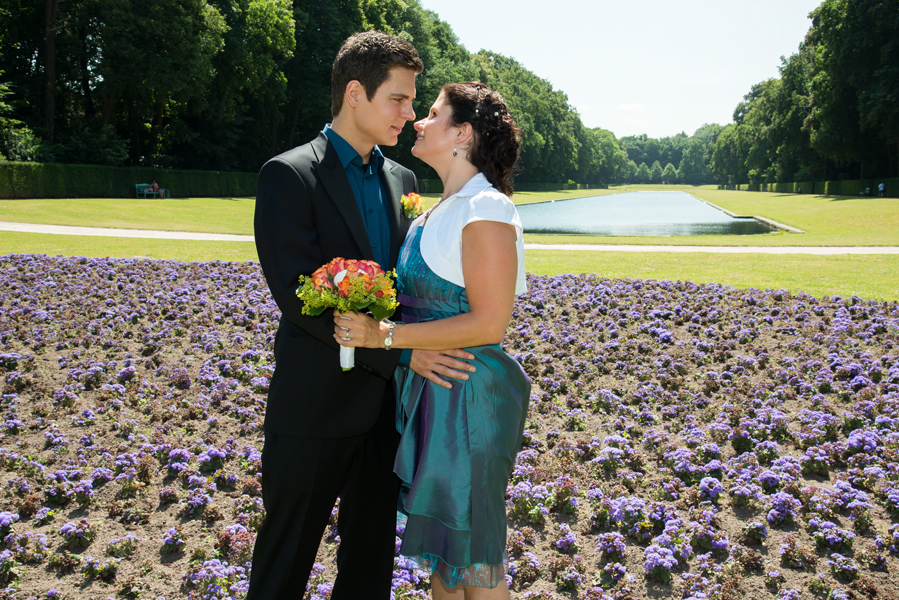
(365, 180)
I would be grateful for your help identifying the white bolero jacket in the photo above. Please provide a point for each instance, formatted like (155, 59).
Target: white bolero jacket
(441, 240)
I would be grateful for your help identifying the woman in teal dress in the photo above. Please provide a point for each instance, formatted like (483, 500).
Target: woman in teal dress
(460, 268)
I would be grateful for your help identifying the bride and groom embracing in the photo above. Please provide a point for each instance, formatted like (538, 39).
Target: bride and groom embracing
(430, 420)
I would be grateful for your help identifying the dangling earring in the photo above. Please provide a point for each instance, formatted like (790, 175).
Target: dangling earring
(454, 150)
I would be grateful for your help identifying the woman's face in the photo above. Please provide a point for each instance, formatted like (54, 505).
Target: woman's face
(436, 138)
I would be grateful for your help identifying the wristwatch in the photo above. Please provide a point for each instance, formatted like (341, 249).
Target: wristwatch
(388, 341)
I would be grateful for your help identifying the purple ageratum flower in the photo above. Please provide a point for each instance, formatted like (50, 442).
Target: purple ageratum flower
(101, 475)
(720, 542)
(214, 576)
(782, 508)
(83, 492)
(78, 535)
(613, 571)
(710, 488)
(769, 480)
(843, 567)
(6, 521)
(322, 591)
(746, 494)
(611, 544)
(529, 501)
(827, 535)
(816, 461)
(195, 503)
(767, 451)
(863, 440)
(567, 542)
(627, 511)
(172, 540)
(658, 562)
(756, 530)
(179, 460)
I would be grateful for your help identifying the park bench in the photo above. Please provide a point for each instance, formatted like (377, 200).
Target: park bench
(142, 190)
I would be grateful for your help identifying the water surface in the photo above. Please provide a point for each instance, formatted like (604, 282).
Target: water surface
(635, 214)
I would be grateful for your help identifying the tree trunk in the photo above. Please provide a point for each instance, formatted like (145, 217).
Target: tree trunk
(108, 106)
(89, 108)
(156, 127)
(51, 8)
(274, 149)
(293, 125)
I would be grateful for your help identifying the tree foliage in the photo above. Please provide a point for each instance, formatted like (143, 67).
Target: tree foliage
(225, 84)
(832, 114)
(834, 111)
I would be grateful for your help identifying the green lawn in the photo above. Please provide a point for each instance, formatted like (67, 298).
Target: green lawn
(875, 277)
(207, 215)
(13, 242)
(827, 221)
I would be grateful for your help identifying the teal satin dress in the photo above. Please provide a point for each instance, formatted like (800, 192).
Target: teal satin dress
(458, 445)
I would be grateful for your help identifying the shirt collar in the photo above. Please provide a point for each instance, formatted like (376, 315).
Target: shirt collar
(475, 186)
(347, 154)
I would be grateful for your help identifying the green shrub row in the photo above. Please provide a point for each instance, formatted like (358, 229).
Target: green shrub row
(525, 186)
(53, 180)
(848, 187)
(435, 186)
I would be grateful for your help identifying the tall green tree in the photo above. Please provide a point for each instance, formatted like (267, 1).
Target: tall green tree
(656, 172)
(643, 175)
(692, 164)
(855, 83)
(601, 159)
(669, 174)
(729, 156)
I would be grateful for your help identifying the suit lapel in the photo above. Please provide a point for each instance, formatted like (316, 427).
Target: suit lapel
(333, 178)
(393, 185)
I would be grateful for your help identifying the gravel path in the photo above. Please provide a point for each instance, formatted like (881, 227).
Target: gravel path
(223, 237)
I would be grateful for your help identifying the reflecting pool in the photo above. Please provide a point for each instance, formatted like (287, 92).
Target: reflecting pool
(635, 214)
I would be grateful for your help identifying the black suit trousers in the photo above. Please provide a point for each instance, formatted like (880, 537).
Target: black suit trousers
(301, 479)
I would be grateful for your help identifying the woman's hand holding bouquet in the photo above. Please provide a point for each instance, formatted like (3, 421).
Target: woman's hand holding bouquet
(348, 286)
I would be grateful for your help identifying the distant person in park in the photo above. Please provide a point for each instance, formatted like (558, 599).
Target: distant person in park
(459, 271)
(330, 433)
(154, 187)
(880, 189)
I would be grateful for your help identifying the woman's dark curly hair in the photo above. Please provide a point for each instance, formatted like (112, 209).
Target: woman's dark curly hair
(496, 141)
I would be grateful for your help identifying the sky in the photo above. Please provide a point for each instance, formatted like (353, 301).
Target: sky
(639, 66)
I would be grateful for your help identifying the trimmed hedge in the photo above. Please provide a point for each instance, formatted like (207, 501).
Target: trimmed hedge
(524, 186)
(435, 186)
(854, 187)
(54, 180)
(848, 187)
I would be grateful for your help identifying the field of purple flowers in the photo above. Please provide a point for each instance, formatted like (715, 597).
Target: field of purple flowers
(683, 441)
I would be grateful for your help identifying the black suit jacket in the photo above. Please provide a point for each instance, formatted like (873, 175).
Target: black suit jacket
(306, 215)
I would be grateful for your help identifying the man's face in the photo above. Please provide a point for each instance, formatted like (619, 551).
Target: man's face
(381, 120)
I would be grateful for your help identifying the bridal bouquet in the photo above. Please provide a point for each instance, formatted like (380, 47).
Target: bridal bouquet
(349, 285)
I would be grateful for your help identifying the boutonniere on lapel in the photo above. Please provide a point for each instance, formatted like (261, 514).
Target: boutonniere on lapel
(411, 205)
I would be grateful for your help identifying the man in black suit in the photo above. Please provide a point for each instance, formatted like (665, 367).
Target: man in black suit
(331, 433)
